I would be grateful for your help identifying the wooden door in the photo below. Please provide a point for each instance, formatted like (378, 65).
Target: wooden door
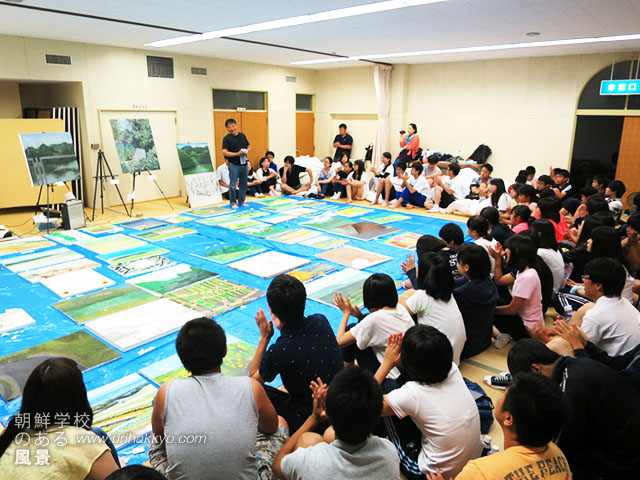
(629, 157)
(255, 127)
(304, 133)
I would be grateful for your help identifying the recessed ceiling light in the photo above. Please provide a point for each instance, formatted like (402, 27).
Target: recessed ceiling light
(291, 21)
(532, 34)
(504, 46)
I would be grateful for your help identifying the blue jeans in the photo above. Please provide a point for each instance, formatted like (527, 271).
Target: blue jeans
(237, 173)
(414, 198)
(326, 189)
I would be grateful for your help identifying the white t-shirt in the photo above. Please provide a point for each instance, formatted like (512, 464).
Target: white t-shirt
(431, 171)
(364, 178)
(421, 184)
(627, 291)
(504, 202)
(613, 325)
(528, 286)
(447, 416)
(223, 175)
(374, 330)
(484, 243)
(555, 262)
(445, 316)
(388, 170)
(458, 185)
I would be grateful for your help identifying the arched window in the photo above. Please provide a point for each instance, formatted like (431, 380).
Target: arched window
(591, 98)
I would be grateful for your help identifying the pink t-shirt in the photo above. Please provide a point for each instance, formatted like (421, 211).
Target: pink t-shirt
(521, 227)
(527, 286)
(560, 228)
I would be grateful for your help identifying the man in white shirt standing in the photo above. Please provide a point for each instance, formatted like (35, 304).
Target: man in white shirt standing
(613, 324)
(416, 191)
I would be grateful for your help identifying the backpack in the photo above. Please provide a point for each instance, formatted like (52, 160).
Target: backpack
(484, 404)
(480, 154)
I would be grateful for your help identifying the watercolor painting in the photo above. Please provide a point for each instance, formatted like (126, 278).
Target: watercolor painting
(165, 233)
(105, 302)
(364, 230)
(152, 321)
(242, 224)
(214, 295)
(208, 211)
(102, 229)
(172, 278)
(76, 282)
(45, 258)
(51, 157)
(68, 237)
(386, 217)
(283, 207)
(296, 235)
(269, 264)
(278, 218)
(352, 211)
(142, 224)
(24, 244)
(123, 408)
(406, 240)
(87, 351)
(243, 215)
(270, 201)
(136, 253)
(348, 281)
(134, 144)
(300, 211)
(312, 271)
(324, 242)
(202, 189)
(327, 223)
(230, 253)
(111, 243)
(194, 158)
(15, 318)
(130, 268)
(264, 230)
(353, 257)
(39, 274)
(175, 218)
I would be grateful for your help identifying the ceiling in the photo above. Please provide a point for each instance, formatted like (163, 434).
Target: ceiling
(443, 25)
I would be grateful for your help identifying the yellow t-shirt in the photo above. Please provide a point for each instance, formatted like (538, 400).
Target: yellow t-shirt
(519, 463)
(65, 453)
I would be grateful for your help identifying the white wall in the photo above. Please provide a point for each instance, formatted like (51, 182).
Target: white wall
(10, 106)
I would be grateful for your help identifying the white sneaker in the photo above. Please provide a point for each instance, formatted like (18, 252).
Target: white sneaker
(502, 340)
(336, 196)
(501, 381)
(278, 194)
(272, 193)
(435, 209)
(259, 195)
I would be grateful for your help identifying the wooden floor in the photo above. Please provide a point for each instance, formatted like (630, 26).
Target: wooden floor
(490, 362)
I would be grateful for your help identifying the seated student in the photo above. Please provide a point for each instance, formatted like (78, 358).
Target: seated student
(544, 182)
(527, 195)
(357, 182)
(576, 217)
(54, 408)
(628, 364)
(136, 472)
(253, 182)
(433, 302)
(630, 244)
(366, 340)
(580, 256)
(451, 234)
(520, 218)
(352, 403)
(600, 183)
(416, 191)
(479, 187)
(499, 198)
(392, 184)
(436, 399)
(549, 208)
(290, 177)
(522, 317)
(562, 188)
(223, 179)
(410, 145)
(544, 236)
(272, 164)
(228, 411)
(385, 171)
(531, 174)
(268, 177)
(431, 169)
(478, 229)
(325, 178)
(340, 180)
(498, 231)
(305, 350)
(612, 324)
(613, 193)
(531, 413)
(426, 243)
(450, 188)
(600, 439)
(476, 299)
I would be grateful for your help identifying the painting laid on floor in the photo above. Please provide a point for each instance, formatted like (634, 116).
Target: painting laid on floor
(87, 351)
(349, 282)
(269, 264)
(39, 274)
(312, 271)
(172, 278)
(41, 259)
(50, 157)
(134, 144)
(229, 253)
(353, 257)
(16, 245)
(111, 243)
(76, 282)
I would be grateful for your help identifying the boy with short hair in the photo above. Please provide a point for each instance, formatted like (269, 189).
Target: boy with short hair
(393, 184)
(306, 349)
(614, 192)
(416, 190)
(352, 403)
(562, 188)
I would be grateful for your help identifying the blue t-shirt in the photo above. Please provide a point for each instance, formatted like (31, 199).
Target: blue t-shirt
(477, 300)
(301, 354)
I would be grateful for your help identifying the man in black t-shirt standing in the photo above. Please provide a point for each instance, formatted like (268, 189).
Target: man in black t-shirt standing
(290, 175)
(235, 147)
(343, 143)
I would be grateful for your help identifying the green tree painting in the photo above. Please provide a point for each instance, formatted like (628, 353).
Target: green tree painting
(194, 158)
(134, 144)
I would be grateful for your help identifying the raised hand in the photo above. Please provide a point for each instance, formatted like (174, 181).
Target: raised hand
(266, 327)
(408, 264)
(319, 389)
(571, 333)
(392, 352)
(343, 303)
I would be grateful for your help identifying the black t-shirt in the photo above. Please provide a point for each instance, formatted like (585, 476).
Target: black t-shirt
(234, 143)
(477, 301)
(501, 232)
(293, 176)
(346, 140)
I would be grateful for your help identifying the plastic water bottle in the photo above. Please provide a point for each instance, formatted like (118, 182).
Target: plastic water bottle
(494, 449)
(486, 442)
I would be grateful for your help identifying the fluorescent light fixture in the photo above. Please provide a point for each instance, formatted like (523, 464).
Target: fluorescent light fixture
(504, 46)
(299, 20)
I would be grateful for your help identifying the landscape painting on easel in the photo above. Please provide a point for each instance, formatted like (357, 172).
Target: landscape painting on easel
(194, 158)
(135, 145)
(50, 157)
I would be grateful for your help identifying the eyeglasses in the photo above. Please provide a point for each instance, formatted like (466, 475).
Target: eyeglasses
(585, 277)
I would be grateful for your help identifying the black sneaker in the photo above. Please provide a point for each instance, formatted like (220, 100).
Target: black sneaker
(499, 381)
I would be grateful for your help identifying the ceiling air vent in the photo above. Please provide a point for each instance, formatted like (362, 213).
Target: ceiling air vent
(57, 59)
(291, 78)
(161, 67)
(198, 71)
